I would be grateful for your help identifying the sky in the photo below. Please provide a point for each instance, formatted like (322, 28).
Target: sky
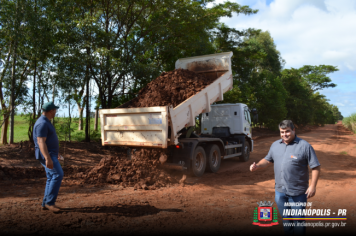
(310, 32)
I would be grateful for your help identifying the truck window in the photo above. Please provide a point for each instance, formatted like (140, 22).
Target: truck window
(247, 116)
(220, 112)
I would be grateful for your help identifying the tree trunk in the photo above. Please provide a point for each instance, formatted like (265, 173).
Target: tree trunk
(53, 90)
(12, 98)
(70, 120)
(5, 122)
(96, 119)
(40, 103)
(80, 125)
(32, 121)
(87, 118)
(34, 92)
(4, 129)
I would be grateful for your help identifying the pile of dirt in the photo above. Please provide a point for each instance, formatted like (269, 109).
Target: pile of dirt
(170, 88)
(11, 173)
(141, 172)
(14, 173)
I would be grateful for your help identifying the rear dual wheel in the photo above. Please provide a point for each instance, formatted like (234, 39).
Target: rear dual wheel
(213, 158)
(198, 162)
(208, 159)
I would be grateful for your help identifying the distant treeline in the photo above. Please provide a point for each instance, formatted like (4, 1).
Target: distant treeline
(58, 50)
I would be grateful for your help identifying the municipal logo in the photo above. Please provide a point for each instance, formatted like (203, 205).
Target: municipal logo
(264, 215)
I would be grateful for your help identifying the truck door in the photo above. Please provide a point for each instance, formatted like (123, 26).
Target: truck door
(247, 122)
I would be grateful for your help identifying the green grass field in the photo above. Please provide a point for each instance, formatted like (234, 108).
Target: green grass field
(350, 122)
(22, 124)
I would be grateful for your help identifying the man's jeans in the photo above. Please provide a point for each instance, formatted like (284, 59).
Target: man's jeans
(54, 180)
(289, 229)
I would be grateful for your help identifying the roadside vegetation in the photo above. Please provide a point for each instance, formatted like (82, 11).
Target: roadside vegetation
(350, 122)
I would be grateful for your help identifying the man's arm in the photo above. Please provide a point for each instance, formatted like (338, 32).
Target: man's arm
(312, 188)
(43, 148)
(260, 165)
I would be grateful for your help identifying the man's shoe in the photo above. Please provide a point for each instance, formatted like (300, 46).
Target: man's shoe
(43, 208)
(53, 208)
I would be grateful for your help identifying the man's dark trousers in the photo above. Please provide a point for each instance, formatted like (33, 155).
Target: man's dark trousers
(289, 229)
(54, 180)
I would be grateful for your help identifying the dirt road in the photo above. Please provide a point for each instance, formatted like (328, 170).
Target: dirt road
(221, 203)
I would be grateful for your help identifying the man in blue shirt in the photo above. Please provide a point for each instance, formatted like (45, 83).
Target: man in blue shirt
(47, 152)
(291, 156)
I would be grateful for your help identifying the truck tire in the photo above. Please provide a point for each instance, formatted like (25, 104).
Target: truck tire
(246, 152)
(213, 158)
(198, 162)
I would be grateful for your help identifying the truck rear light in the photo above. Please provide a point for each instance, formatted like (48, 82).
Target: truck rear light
(179, 146)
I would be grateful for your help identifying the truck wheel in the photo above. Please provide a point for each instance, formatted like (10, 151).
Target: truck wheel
(198, 162)
(213, 158)
(246, 152)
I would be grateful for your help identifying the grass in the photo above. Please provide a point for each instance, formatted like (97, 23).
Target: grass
(343, 153)
(21, 129)
(350, 122)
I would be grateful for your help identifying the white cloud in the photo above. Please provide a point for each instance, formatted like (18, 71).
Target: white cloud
(311, 33)
(307, 32)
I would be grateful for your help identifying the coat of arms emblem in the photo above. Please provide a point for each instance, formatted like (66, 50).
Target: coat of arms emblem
(264, 215)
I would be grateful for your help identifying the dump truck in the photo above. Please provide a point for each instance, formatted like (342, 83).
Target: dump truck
(225, 128)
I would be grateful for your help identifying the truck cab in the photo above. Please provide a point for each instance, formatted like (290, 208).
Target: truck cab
(233, 116)
(225, 133)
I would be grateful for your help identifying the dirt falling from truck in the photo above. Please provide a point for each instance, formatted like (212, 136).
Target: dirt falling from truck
(170, 88)
(144, 170)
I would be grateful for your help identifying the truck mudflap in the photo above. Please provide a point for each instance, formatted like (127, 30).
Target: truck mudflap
(182, 156)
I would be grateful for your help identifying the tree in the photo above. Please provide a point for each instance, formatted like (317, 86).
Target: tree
(40, 34)
(316, 76)
(321, 110)
(13, 53)
(299, 98)
(72, 77)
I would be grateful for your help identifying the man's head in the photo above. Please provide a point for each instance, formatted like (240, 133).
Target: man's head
(49, 110)
(287, 131)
